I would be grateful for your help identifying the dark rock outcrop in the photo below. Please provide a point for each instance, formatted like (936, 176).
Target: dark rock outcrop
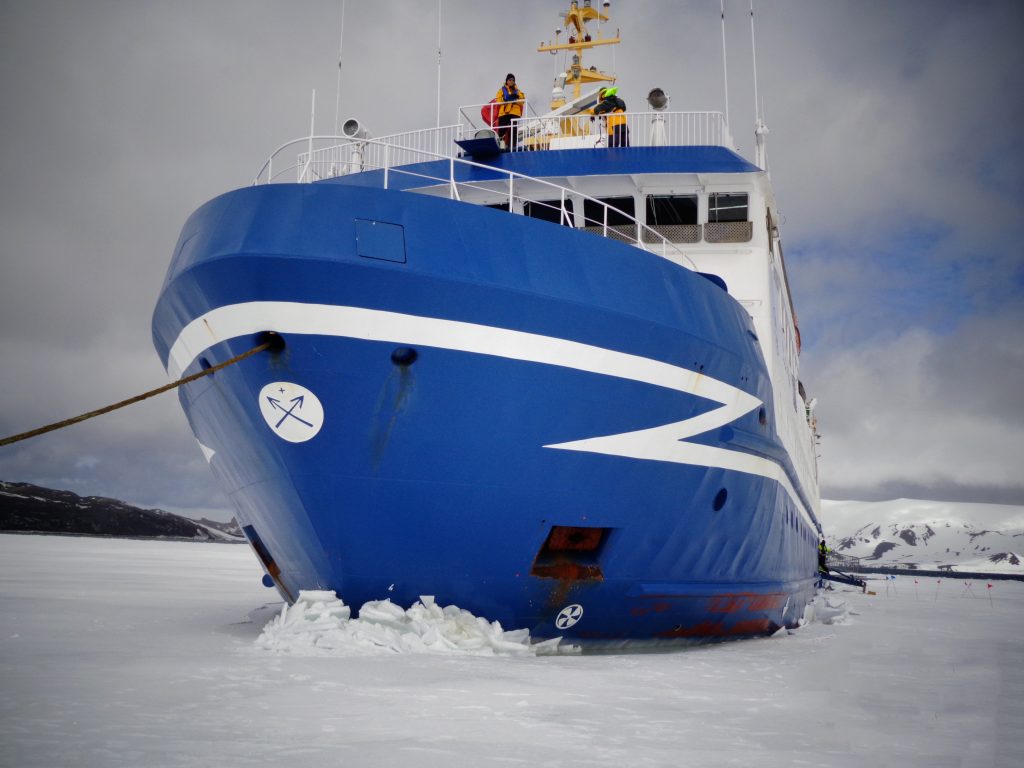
(26, 508)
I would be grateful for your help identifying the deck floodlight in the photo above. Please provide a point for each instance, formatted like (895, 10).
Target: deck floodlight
(353, 129)
(658, 99)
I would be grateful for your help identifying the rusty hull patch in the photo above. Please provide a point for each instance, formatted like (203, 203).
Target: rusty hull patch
(720, 629)
(567, 571)
(724, 605)
(569, 557)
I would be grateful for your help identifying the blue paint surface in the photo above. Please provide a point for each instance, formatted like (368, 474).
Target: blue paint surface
(559, 164)
(380, 240)
(431, 477)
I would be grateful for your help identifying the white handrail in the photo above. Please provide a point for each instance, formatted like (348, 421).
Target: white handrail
(468, 123)
(331, 147)
(574, 131)
(453, 185)
(646, 129)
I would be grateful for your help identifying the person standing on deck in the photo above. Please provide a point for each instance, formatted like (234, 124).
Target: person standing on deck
(615, 109)
(511, 101)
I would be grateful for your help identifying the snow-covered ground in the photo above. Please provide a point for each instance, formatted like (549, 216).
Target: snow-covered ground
(929, 535)
(136, 653)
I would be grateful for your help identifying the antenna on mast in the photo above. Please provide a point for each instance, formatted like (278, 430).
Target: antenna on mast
(760, 129)
(438, 64)
(337, 96)
(579, 40)
(725, 67)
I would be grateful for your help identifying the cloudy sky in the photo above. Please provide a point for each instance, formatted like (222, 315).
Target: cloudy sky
(896, 149)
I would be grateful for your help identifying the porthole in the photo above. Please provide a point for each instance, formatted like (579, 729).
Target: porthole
(404, 356)
(720, 498)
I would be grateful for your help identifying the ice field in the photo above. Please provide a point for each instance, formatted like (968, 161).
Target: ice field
(145, 653)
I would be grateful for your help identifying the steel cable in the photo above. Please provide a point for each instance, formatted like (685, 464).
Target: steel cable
(167, 387)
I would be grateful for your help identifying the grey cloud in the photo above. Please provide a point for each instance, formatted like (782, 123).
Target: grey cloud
(120, 118)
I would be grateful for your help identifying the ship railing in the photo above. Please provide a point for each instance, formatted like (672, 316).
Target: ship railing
(610, 222)
(507, 190)
(324, 157)
(471, 118)
(645, 129)
(837, 562)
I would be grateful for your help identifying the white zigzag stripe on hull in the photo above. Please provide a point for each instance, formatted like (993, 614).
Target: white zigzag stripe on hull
(663, 443)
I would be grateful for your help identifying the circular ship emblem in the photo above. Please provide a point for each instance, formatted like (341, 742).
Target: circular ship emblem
(292, 411)
(569, 615)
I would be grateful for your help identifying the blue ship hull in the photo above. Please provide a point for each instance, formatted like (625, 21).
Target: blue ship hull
(468, 364)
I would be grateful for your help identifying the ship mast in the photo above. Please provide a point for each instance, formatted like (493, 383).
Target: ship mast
(580, 40)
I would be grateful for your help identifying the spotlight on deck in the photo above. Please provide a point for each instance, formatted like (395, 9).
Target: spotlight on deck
(657, 99)
(353, 129)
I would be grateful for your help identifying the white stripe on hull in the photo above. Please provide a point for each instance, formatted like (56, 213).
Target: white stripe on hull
(664, 443)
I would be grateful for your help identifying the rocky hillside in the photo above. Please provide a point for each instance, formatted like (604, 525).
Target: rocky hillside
(29, 508)
(928, 535)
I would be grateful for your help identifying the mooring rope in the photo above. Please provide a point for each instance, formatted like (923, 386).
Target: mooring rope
(137, 398)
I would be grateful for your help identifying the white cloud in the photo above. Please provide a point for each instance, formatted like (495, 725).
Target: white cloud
(924, 408)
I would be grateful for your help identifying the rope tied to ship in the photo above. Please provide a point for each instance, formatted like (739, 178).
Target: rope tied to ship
(138, 398)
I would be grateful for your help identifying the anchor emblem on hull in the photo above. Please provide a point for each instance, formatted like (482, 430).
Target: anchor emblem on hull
(289, 412)
(293, 412)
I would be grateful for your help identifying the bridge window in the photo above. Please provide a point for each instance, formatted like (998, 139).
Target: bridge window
(673, 217)
(621, 211)
(727, 206)
(549, 210)
(728, 214)
(666, 210)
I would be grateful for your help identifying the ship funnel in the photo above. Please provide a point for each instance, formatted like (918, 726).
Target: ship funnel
(353, 129)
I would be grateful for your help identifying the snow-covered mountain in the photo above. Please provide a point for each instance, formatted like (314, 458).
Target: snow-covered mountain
(929, 535)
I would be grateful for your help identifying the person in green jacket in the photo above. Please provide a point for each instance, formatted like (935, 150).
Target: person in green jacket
(615, 110)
